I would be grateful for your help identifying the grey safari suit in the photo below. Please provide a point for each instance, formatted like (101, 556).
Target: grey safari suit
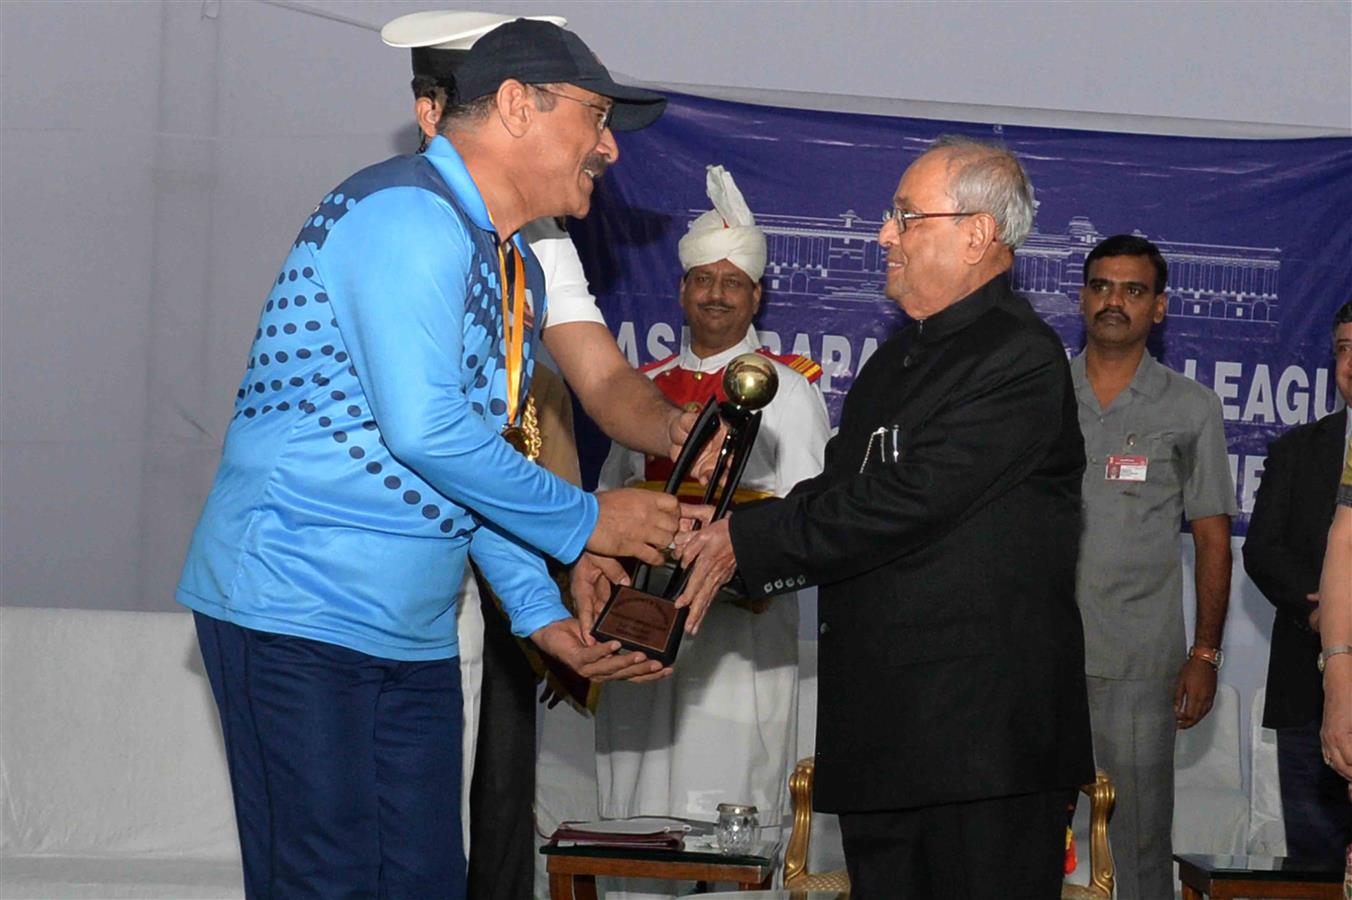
(1130, 587)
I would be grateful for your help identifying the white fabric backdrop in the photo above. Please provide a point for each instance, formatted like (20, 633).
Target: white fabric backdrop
(156, 159)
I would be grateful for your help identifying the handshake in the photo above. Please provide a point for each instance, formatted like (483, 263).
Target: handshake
(656, 527)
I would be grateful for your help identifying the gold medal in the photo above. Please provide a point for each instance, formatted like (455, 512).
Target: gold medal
(526, 438)
(513, 328)
(516, 436)
(513, 292)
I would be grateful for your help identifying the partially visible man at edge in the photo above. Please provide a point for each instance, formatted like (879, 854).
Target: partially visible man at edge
(372, 449)
(1335, 635)
(952, 724)
(1284, 555)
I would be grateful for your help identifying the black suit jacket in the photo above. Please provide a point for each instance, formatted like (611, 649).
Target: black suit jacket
(1283, 554)
(951, 657)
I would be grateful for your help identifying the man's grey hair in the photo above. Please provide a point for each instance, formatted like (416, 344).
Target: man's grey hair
(984, 176)
(474, 111)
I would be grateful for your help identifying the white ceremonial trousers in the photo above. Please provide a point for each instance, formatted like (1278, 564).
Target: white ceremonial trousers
(723, 728)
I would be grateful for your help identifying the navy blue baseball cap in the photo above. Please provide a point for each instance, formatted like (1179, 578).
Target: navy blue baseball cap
(535, 52)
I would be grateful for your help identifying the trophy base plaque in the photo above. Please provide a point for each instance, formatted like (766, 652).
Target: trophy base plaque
(641, 621)
(638, 617)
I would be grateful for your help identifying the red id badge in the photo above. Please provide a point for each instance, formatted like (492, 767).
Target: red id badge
(1122, 467)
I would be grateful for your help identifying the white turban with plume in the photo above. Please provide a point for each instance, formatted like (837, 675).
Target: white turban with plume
(728, 231)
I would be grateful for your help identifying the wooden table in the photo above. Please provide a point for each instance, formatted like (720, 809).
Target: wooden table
(1258, 878)
(783, 893)
(573, 870)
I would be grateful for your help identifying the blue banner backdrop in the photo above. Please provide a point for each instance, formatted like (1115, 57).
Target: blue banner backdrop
(1258, 235)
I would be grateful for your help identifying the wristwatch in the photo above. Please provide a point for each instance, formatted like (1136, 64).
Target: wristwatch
(1329, 652)
(1212, 655)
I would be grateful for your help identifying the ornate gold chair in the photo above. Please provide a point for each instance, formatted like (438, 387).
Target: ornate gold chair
(1101, 795)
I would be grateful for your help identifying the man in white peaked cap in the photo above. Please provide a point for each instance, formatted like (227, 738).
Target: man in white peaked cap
(723, 728)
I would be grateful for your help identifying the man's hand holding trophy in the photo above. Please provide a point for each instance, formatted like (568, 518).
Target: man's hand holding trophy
(638, 607)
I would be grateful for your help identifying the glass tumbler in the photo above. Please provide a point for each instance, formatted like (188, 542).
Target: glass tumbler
(738, 827)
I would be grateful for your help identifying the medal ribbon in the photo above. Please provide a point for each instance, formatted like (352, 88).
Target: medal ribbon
(513, 327)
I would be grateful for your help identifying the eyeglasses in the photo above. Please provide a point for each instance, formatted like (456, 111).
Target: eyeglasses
(603, 113)
(898, 218)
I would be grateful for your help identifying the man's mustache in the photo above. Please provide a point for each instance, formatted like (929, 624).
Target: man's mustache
(596, 164)
(1114, 313)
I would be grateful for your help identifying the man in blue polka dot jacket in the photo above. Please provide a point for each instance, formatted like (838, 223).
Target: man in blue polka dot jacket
(365, 461)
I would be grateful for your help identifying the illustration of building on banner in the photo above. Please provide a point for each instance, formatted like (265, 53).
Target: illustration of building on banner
(838, 260)
(1206, 281)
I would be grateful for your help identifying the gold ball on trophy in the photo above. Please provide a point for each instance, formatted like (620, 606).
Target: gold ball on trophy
(750, 381)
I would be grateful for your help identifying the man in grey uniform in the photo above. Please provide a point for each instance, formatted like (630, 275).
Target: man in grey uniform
(1155, 448)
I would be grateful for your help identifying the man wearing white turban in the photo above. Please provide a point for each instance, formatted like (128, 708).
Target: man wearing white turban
(728, 231)
(723, 728)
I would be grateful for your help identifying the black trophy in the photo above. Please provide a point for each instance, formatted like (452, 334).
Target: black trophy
(644, 617)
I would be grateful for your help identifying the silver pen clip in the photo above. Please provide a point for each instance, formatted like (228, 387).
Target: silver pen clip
(879, 435)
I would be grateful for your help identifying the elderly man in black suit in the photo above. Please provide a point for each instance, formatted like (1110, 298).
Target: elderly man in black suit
(953, 723)
(1283, 554)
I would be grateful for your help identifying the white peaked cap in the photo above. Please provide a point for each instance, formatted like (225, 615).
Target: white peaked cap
(449, 29)
(728, 231)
